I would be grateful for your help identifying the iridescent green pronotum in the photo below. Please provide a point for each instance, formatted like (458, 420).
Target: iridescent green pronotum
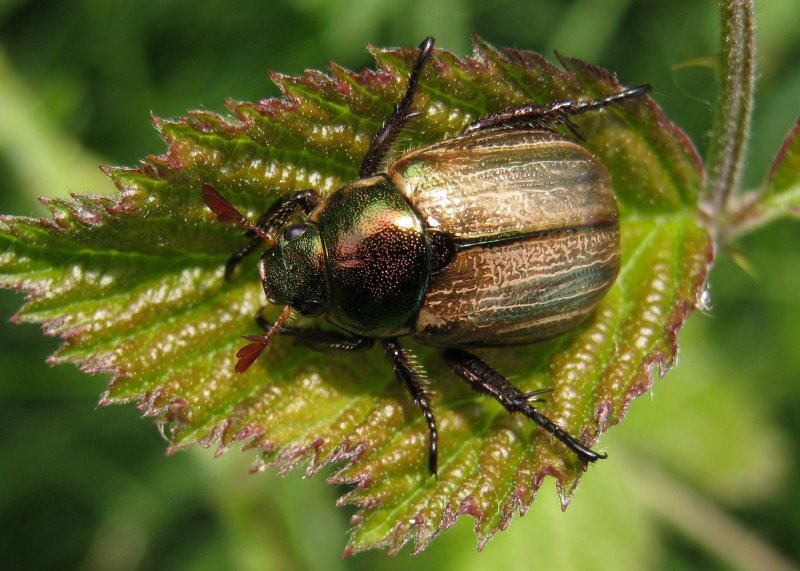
(506, 234)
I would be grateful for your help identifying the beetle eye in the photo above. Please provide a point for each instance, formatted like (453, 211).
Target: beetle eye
(294, 231)
(309, 308)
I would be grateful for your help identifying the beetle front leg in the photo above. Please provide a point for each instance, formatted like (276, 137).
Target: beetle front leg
(320, 340)
(412, 377)
(272, 221)
(485, 379)
(384, 138)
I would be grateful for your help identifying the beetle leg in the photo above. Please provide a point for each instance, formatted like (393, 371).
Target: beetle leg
(237, 257)
(384, 138)
(320, 340)
(552, 114)
(485, 379)
(413, 378)
(272, 221)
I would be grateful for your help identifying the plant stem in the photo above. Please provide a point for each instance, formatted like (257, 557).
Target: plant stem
(734, 107)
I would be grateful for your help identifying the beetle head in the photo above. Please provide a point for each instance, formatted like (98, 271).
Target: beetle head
(293, 272)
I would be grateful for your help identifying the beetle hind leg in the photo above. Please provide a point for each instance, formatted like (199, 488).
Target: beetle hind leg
(485, 379)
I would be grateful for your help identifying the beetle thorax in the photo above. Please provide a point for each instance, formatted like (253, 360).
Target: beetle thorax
(378, 258)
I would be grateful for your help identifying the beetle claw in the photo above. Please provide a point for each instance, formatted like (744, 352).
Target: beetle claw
(533, 396)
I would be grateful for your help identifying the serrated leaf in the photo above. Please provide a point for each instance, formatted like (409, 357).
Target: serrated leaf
(783, 181)
(778, 197)
(134, 285)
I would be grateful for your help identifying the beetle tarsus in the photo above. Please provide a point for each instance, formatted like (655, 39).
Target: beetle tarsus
(412, 378)
(485, 379)
(549, 116)
(383, 139)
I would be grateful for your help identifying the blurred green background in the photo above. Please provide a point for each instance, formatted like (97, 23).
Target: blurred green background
(703, 474)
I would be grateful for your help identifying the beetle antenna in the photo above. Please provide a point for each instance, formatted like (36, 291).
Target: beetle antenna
(227, 214)
(250, 352)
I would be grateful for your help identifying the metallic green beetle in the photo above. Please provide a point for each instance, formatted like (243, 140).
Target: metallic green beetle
(506, 234)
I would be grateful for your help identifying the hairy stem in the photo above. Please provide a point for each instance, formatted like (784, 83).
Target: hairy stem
(734, 106)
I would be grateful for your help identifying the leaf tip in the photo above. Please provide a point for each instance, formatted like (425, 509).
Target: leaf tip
(788, 142)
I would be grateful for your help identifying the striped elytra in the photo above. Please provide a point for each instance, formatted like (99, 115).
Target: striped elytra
(535, 224)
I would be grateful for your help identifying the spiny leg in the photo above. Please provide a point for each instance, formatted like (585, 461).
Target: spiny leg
(485, 379)
(272, 221)
(382, 141)
(406, 372)
(552, 114)
(321, 340)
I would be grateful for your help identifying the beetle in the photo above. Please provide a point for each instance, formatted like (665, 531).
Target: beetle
(505, 234)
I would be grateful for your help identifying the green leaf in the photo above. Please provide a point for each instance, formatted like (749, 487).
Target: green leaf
(783, 182)
(134, 286)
